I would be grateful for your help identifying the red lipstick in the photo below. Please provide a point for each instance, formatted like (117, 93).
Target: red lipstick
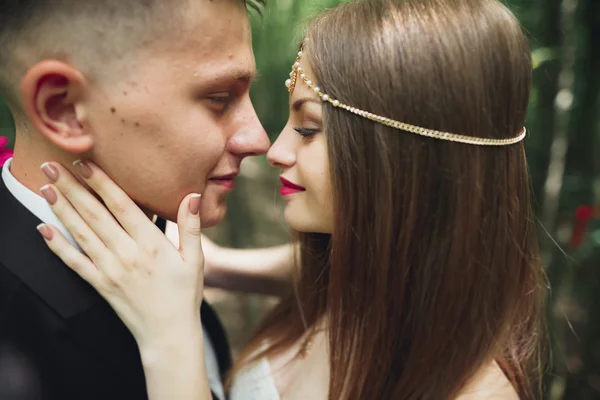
(289, 188)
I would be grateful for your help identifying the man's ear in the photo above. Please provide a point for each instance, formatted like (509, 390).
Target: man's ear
(52, 93)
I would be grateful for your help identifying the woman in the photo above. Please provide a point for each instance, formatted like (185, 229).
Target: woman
(405, 177)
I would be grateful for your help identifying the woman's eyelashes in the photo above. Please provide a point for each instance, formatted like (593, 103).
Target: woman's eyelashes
(307, 132)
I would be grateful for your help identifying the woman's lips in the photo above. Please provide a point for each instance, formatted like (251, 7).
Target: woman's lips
(289, 188)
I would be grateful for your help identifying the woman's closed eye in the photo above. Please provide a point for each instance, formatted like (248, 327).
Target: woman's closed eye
(307, 132)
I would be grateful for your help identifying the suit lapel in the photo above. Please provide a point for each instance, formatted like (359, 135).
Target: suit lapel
(25, 254)
(87, 316)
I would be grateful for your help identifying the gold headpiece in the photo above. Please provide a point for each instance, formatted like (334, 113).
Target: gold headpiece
(298, 72)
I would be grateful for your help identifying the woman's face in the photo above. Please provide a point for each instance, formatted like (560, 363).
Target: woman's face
(300, 152)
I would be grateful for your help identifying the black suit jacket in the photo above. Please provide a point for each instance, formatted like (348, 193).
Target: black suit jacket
(59, 339)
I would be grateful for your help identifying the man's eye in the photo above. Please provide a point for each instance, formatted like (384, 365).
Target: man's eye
(220, 102)
(305, 132)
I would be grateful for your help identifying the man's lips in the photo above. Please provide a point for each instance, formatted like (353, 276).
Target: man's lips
(227, 181)
(288, 187)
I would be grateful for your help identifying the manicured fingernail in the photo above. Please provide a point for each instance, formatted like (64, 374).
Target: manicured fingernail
(50, 171)
(83, 169)
(45, 231)
(195, 204)
(49, 194)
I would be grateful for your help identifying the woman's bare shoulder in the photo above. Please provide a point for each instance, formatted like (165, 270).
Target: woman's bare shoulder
(490, 383)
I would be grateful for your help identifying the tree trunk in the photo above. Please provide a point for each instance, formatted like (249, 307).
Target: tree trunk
(545, 79)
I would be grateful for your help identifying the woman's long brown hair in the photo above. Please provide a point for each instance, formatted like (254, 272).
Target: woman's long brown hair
(433, 268)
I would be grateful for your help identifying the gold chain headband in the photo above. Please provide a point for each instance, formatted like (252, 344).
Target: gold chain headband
(297, 71)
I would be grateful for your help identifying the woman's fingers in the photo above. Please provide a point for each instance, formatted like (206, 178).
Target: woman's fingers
(152, 286)
(87, 239)
(87, 206)
(72, 257)
(132, 219)
(190, 230)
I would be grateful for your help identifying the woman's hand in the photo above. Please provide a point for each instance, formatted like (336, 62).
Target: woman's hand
(155, 288)
(214, 255)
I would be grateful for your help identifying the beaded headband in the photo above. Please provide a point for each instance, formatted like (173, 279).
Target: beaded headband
(298, 72)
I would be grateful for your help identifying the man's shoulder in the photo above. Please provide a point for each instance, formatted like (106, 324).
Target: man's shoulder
(9, 285)
(16, 298)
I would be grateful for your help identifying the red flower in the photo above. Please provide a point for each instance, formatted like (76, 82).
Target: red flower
(582, 215)
(5, 154)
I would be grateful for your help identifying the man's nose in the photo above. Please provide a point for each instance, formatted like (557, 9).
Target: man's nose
(251, 138)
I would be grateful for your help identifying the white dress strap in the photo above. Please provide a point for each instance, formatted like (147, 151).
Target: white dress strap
(255, 382)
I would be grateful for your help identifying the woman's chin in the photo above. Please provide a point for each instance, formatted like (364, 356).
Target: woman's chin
(295, 221)
(305, 223)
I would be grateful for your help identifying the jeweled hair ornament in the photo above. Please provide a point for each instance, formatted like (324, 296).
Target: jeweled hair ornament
(298, 73)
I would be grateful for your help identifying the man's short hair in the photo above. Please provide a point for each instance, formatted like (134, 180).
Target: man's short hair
(83, 32)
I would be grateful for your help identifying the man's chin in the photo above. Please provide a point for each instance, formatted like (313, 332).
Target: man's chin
(213, 218)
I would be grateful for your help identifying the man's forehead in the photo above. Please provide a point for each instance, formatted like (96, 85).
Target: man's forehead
(226, 60)
(209, 27)
(214, 45)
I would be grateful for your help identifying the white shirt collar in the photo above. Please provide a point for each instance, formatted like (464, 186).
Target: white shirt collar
(35, 203)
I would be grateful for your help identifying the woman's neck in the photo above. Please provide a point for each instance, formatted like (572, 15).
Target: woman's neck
(489, 382)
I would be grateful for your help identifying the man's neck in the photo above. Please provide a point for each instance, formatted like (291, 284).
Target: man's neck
(29, 155)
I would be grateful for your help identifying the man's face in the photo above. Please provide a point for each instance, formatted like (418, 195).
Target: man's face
(183, 118)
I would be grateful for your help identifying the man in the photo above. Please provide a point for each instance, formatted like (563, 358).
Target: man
(156, 92)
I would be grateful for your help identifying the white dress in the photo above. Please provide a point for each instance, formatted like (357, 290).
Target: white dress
(254, 382)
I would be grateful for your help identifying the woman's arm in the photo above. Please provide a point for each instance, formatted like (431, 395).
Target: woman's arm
(155, 288)
(266, 271)
(174, 366)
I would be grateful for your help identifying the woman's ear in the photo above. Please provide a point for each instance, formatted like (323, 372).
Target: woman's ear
(51, 92)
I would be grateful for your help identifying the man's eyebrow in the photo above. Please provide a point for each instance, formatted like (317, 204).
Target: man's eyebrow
(246, 76)
(300, 102)
(256, 78)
